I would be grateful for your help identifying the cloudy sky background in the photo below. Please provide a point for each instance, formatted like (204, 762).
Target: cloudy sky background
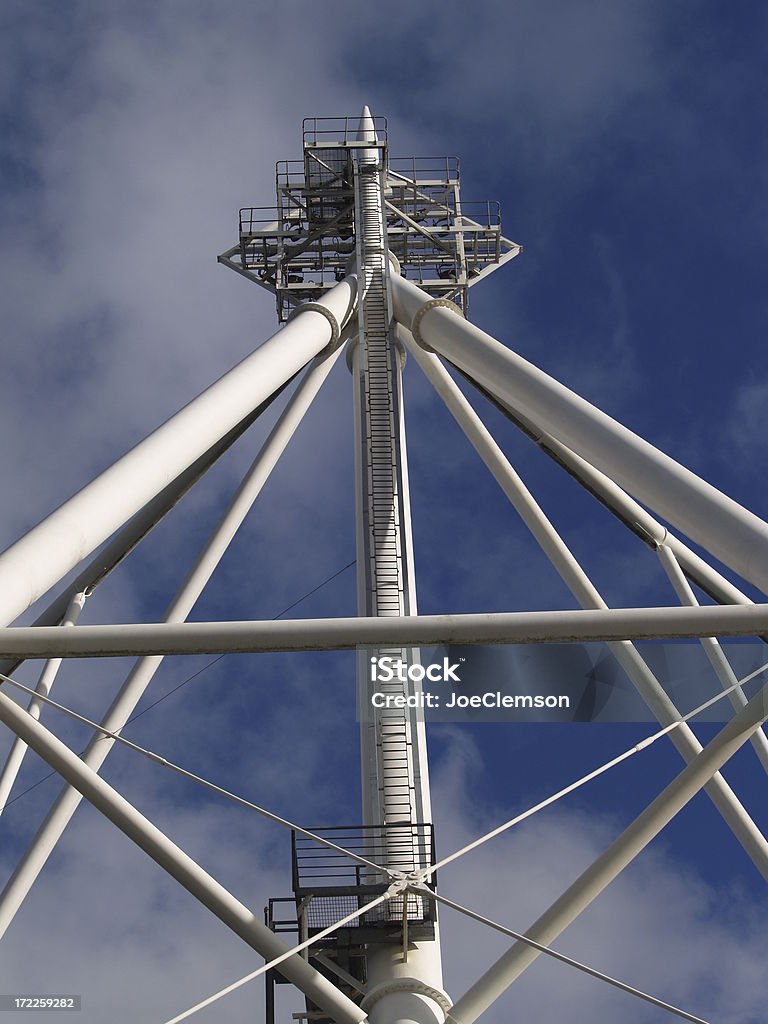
(626, 143)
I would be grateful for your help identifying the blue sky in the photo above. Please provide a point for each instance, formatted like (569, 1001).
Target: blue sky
(626, 144)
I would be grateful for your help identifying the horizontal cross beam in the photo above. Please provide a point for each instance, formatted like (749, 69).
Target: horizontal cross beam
(130, 639)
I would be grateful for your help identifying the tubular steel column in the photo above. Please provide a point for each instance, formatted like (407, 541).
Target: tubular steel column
(237, 917)
(581, 586)
(44, 555)
(10, 771)
(393, 746)
(122, 707)
(622, 851)
(727, 530)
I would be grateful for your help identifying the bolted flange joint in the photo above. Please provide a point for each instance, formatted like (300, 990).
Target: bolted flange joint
(317, 307)
(432, 304)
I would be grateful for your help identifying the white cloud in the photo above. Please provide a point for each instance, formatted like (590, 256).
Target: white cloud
(747, 425)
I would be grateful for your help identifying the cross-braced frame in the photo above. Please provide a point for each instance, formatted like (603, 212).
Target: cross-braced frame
(327, 254)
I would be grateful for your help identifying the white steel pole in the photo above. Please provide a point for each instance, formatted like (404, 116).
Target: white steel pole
(631, 513)
(50, 550)
(702, 573)
(580, 585)
(609, 864)
(712, 648)
(44, 685)
(733, 534)
(404, 978)
(49, 833)
(172, 859)
(343, 634)
(142, 523)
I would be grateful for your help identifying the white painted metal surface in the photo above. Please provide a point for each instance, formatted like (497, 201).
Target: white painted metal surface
(134, 531)
(45, 683)
(34, 859)
(733, 534)
(712, 648)
(49, 551)
(343, 634)
(395, 784)
(618, 855)
(582, 588)
(629, 511)
(385, 570)
(404, 984)
(161, 849)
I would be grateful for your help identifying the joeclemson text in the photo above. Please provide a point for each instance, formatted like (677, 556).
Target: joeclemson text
(492, 699)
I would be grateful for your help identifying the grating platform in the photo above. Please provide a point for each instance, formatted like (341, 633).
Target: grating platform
(300, 247)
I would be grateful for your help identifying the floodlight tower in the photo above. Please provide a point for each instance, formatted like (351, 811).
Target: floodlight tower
(349, 207)
(357, 242)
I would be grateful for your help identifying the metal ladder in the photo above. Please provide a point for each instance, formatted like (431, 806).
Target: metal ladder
(387, 586)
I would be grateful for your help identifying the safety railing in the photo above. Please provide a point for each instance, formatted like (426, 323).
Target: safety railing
(329, 131)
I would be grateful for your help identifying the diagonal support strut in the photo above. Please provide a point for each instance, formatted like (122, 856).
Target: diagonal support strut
(51, 549)
(613, 860)
(729, 531)
(571, 572)
(176, 863)
(124, 704)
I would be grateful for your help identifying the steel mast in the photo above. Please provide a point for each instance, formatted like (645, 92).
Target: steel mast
(358, 242)
(404, 983)
(350, 208)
